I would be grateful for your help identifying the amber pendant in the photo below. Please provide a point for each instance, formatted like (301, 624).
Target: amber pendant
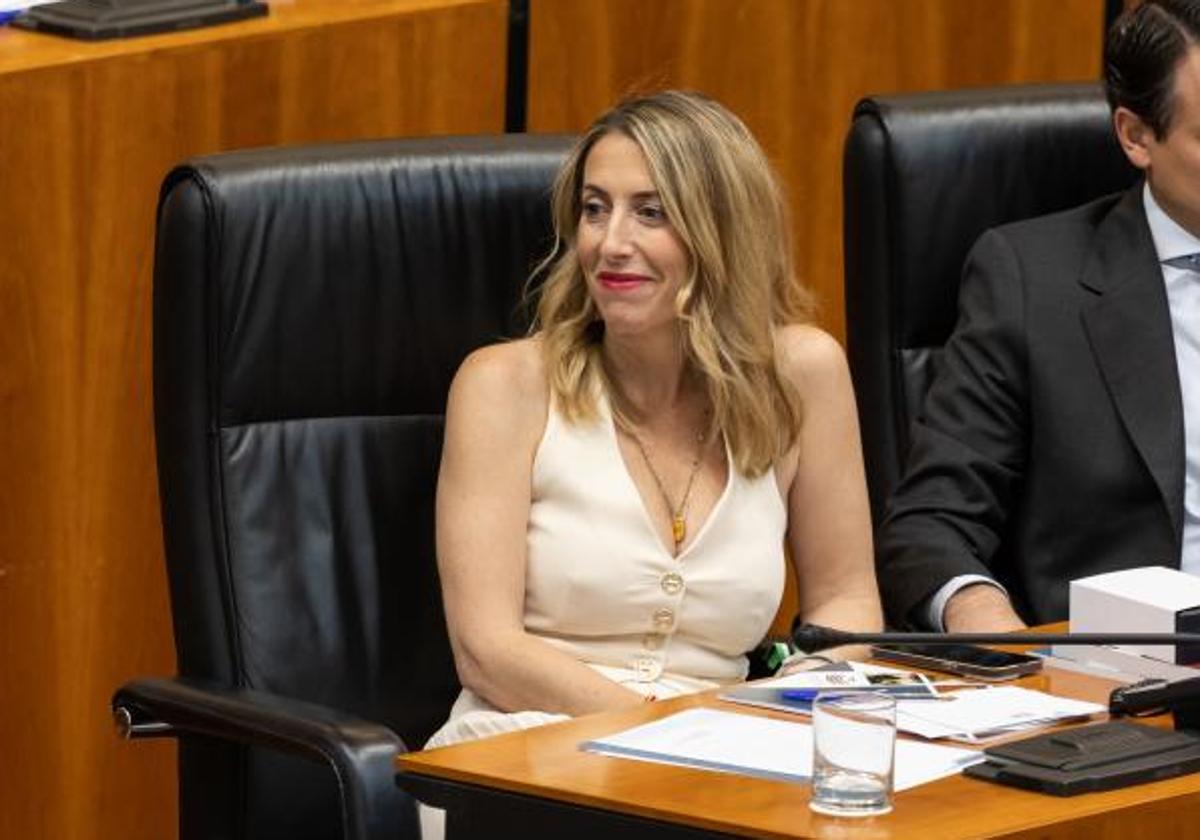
(678, 529)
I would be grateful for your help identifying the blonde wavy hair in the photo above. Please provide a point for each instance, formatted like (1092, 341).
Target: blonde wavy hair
(723, 200)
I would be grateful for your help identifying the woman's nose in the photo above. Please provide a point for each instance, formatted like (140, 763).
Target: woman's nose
(617, 241)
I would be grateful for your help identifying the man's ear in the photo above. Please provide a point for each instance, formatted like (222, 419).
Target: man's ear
(1134, 135)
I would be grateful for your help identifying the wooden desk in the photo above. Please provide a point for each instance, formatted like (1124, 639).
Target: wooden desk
(541, 778)
(87, 132)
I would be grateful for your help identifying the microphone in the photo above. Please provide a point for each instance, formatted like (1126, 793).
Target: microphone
(811, 638)
(1181, 697)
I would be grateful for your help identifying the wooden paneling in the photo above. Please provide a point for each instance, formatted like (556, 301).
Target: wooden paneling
(793, 69)
(87, 133)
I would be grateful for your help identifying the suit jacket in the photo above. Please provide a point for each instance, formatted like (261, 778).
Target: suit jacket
(1051, 442)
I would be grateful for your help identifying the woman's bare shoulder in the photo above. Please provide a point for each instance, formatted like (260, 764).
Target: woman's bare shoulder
(504, 384)
(809, 356)
(511, 365)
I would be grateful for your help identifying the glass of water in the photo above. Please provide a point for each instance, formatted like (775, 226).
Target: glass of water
(854, 744)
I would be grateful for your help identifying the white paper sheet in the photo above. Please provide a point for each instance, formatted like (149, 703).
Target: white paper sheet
(988, 712)
(10, 7)
(759, 746)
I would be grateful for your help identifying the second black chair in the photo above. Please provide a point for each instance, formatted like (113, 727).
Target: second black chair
(924, 176)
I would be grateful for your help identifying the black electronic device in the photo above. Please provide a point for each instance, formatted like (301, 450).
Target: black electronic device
(968, 660)
(1100, 756)
(95, 20)
(1149, 697)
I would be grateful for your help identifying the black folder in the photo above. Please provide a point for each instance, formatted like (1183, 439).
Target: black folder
(1101, 756)
(95, 20)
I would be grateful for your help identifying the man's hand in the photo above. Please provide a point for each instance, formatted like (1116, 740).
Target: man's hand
(980, 608)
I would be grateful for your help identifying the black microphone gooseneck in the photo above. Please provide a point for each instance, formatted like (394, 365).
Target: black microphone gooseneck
(1181, 698)
(811, 638)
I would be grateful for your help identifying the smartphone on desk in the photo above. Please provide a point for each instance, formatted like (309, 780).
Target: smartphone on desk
(967, 660)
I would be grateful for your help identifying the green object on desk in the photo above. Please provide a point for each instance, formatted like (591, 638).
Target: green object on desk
(778, 653)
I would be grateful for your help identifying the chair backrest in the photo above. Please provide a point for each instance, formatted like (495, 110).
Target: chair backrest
(924, 176)
(311, 306)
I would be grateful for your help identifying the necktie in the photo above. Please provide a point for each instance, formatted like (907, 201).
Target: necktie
(1188, 262)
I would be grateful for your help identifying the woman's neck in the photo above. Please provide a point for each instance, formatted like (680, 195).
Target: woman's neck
(650, 374)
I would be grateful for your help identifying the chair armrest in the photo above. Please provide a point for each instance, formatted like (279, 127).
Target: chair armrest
(362, 753)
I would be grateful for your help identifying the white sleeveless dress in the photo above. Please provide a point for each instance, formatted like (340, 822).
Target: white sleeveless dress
(601, 585)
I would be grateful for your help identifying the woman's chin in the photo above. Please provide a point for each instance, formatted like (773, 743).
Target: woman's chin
(635, 328)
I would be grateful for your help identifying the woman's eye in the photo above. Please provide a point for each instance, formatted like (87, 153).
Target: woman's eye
(652, 213)
(593, 209)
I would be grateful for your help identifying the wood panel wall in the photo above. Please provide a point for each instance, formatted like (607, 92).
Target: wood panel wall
(793, 69)
(87, 132)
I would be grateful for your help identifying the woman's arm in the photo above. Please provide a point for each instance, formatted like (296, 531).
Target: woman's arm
(495, 418)
(829, 518)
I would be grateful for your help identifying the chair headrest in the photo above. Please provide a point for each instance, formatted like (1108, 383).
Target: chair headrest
(932, 171)
(318, 258)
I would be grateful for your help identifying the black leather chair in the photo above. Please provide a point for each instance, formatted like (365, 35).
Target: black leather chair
(310, 308)
(924, 176)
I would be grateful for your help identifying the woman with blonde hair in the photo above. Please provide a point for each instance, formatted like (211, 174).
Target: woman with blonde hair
(617, 489)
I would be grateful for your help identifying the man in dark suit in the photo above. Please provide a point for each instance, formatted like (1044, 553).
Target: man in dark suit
(1061, 437)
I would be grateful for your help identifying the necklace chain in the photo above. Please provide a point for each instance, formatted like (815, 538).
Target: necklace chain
(678, 519)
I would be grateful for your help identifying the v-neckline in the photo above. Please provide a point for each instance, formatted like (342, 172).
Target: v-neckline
(686, 549)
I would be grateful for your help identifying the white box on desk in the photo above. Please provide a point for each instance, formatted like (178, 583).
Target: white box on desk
(1150, 599)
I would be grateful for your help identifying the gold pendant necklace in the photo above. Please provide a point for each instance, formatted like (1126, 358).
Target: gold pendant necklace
(677, 512)
(678, 529)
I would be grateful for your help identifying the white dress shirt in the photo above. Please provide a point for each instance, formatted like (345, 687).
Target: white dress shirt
(1183, 298)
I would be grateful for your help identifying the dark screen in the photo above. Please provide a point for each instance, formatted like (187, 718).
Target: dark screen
(968, 654)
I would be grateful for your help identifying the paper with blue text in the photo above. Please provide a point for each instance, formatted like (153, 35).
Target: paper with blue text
(728, 742)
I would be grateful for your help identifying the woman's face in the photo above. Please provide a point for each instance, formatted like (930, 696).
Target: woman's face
(633, 259)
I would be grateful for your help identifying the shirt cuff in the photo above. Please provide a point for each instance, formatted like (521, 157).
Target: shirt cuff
(935, 611)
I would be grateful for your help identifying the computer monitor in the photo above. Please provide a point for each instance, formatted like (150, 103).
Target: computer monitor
(100, 19)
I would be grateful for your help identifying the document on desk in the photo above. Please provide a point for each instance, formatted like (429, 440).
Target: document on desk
(8, 8)
(795, 692)
(757, 746)
(983, 713)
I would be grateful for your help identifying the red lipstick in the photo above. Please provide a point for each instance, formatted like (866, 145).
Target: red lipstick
(620, 282)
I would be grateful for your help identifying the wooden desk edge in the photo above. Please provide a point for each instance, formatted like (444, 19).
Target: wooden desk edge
(441, 764)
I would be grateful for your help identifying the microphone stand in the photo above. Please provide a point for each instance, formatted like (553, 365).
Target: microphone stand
(1181, 697)
(811, 638)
